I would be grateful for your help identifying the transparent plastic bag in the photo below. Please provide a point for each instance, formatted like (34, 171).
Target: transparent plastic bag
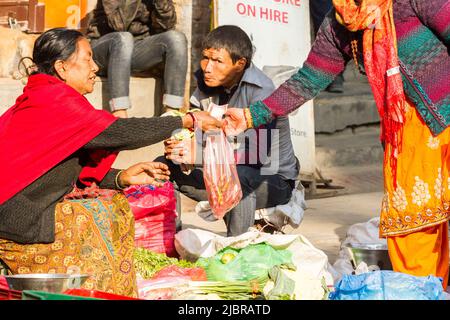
(251, 262)
(219, 170)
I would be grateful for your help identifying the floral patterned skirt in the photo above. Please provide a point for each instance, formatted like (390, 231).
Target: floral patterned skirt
(422, 196)
(93, 236)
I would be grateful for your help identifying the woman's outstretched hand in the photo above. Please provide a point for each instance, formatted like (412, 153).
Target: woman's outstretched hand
(155, 173)
(234, 122)
(203, 120)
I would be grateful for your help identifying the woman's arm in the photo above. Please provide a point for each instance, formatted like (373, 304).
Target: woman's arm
(134, 133)
(154, 173)
(435, 14)
(325, 61)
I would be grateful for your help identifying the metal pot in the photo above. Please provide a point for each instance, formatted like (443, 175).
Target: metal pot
(373, 254)
(51, 282)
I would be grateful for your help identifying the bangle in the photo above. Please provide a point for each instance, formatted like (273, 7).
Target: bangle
(193, 119)
(248, 118)
(116, 180)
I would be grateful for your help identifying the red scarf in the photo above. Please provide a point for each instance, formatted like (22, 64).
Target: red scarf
(375, 18)
(48, 123)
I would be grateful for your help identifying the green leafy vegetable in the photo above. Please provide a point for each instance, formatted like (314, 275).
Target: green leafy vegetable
(147, 263)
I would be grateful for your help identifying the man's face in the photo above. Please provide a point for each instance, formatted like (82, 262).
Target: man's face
(219, 69)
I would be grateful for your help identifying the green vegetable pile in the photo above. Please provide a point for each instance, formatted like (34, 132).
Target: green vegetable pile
(147, 263)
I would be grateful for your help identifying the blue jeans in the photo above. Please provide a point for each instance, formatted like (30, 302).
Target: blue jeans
(119, 56)
(258, 191)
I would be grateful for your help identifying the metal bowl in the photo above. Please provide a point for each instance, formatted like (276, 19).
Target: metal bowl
(373, 254)
(50, 282)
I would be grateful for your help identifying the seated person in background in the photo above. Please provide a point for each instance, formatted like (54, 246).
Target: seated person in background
(133, 37)
(227, 76)
(54, 144)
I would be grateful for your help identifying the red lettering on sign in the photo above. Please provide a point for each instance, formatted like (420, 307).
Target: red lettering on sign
(246, 9)
(284, 17)
(290, 2)
(273, 15)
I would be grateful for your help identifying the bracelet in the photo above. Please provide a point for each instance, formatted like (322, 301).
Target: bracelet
(116, 180)
(248, 118)
(193, 119)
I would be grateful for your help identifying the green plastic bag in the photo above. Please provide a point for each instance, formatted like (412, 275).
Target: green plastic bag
(251, 262)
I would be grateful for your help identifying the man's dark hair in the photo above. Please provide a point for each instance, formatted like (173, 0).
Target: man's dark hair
(233, 39)
(54, 44)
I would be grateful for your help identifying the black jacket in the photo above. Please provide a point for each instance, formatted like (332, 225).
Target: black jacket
(139, 17)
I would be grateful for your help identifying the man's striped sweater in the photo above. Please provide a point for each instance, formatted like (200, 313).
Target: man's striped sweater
(423, 35)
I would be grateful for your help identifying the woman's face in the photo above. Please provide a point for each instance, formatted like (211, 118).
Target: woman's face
(79, 70)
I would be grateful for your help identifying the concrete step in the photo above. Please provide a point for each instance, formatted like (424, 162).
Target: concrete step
(350, 147)
(354, 107)
(141, 93)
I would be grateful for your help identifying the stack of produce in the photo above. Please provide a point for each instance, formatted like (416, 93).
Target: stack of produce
(160, 276)
(239, 274)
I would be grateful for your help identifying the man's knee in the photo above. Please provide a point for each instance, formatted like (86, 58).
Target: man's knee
(176, 40)
(122, 40)
(246, 176)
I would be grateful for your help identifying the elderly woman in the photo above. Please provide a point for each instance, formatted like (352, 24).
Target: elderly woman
(403, 47)
(55, 144)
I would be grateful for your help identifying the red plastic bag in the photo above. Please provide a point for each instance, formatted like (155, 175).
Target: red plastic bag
(147, 199)
(157, 233)
(219, 171)
(155, 217)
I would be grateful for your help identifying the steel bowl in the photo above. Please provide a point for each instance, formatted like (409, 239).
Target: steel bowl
(373, 254)
(50, 282)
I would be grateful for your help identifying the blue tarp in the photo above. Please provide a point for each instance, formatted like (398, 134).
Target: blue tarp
(388, 285)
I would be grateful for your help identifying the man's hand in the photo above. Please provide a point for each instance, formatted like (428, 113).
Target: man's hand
(155, 173)
(180, 151)
(234, 122)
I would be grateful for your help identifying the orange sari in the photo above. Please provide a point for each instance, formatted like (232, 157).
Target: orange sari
(416, 204)
(414, 213)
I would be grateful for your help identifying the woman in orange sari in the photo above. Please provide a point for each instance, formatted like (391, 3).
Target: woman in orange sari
(403, 46)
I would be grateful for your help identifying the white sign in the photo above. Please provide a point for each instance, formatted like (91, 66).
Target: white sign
(280, 31)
